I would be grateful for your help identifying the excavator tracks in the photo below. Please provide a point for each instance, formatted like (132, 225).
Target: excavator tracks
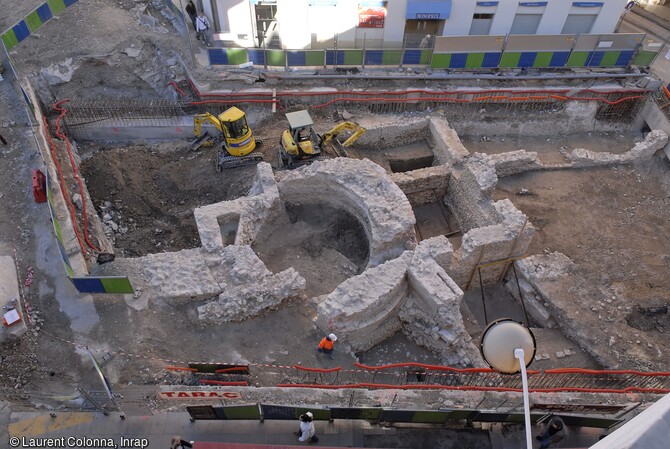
(226, 161)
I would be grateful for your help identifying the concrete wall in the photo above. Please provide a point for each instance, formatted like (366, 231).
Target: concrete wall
(655, 119)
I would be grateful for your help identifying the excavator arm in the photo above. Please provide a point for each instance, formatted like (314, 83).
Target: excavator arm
(202, 138)
(357, 129)
(200, 119)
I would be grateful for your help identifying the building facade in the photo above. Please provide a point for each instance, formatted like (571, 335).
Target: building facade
(312, 24)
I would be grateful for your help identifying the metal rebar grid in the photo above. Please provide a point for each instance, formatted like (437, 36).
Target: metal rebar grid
(123, 111)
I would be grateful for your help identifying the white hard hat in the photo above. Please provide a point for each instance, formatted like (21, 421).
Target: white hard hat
(332, 337)
(310, 414)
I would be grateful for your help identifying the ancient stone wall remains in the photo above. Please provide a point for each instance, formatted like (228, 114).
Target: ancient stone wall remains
(425, 185)
(363, 189)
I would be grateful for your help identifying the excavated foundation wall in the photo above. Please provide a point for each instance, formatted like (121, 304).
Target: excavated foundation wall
(67, 238)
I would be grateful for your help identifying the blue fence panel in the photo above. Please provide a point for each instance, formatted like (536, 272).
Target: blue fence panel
(296, 58)
(21, 30)
(330, 57)
(218, 56)
(624, 57)
(595, 59)
(44, 13)
(412, 57)
(458, 60)
(491, 60)
(527, 59)
(374, 57)
(559, 59)
(256, 56)
(84, 285)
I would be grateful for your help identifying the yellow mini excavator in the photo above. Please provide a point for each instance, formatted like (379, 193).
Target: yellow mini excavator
(238, 142)
(301, 145)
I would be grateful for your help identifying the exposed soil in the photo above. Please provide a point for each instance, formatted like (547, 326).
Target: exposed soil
(155, 188)
(613, 223)
(325, 245)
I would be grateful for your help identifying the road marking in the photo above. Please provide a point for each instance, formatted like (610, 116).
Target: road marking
(41, 425)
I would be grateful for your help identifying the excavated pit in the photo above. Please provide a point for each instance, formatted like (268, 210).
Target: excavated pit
(397, 159)
(148, 192)
(326, 245)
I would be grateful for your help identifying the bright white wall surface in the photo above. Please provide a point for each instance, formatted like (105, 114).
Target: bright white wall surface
(302, 22)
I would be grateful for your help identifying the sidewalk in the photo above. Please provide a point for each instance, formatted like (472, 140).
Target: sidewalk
(156, 431)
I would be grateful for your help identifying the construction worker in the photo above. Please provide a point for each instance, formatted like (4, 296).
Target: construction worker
(327, 344)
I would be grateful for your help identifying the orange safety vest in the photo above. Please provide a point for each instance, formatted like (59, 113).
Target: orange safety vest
(326, 344)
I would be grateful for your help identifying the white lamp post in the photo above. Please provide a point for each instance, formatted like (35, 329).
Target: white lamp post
(505, 345)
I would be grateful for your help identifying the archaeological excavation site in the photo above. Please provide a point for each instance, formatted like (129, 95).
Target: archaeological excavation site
(205, 227)
(442, 217)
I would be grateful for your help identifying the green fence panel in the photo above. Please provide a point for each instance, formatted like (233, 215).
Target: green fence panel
(353, 57)
(510, 59)
(315, 57)
(10, 40)
(56, 6)
(425, 57)
(236, 56)
(320, 414)
(441, 60)
(241, 411)
(34, 22)
(643, 58)
(430, 417)
(543, 58)
(391, 57)
(610, 58)
(578, 59)
(117, 285)
(275, 57)
(474, 61)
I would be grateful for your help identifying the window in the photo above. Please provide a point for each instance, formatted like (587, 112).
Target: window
(481, 24)
(525, 23)
(579, 23)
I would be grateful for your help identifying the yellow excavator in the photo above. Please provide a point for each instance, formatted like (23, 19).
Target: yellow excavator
(301, 145)
(238, 142)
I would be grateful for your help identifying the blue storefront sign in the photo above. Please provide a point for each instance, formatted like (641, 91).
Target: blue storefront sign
(533, 3)
(428, 10)
(587, 4)
(487, 3)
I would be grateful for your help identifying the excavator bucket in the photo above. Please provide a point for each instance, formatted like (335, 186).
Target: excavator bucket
(203, 139)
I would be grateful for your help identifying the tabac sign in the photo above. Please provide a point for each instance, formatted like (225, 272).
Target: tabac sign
(200, 394)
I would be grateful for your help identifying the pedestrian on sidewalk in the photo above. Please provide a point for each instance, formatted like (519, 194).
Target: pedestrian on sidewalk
(192, 13)
(202, 27)
(552, 434)
(178, 443)
(327, 345)
(306, 432)
(425, 42)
